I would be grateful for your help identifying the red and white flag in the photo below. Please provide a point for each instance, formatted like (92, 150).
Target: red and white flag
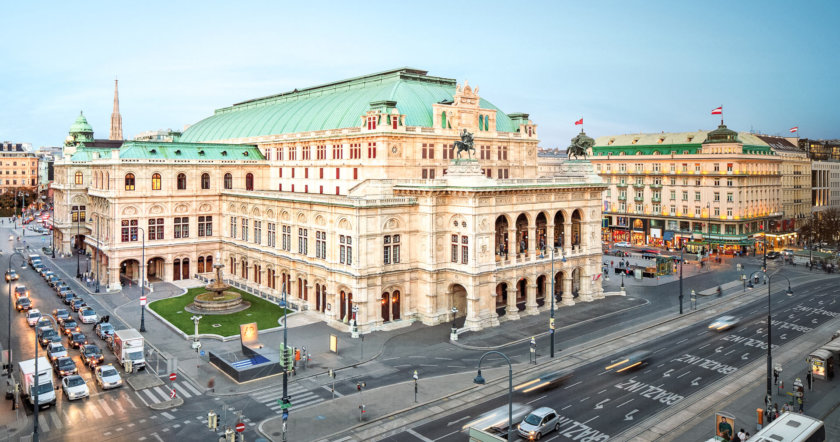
(794, 129)
(596, 277)
(579, 122)
(717, 110)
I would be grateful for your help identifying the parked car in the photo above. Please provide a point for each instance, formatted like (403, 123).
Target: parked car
(45, 271)
(65, 366)
(63, 292)
(104, 330)
(78, 340)
(540, 422)
(75, 387)
(23, 304)
(623, 244)
(107, 377)
(88, 315)
(70, 326)
(724, 323)
(91, 355)
(61, 286)
(32, 316)
(53, 280)
(56, 350)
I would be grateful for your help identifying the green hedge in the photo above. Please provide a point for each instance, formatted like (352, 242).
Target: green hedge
(264, 313)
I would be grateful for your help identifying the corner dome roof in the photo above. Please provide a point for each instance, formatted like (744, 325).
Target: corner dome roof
(333, 106)
(81, 125)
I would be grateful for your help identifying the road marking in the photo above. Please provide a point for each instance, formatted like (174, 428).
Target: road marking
(535, 400)
(428, 365)
(444, 359)
(142, 438)
(95, 412)
(459, 420)
(130, 402)
(677, 343)
(601, 391)
(167, 415)
(701, 334)
(624, 403)
(647, 371)
(189, 386)
(130, 425)
(683, 374)
(660, 365)
(567, 406)
(584, 399)
(56, 421)
(570, 386)
(390, 359)
(105, 407)
(151, 397)
(181, 391)
(337, 394)
(420, 436)
(729, 352)
(590, 420)
(657, 351)
(141, 421)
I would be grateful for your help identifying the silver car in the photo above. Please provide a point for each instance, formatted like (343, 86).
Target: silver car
(540, 422)
(107, 377)
(75, 387)
(724, 323)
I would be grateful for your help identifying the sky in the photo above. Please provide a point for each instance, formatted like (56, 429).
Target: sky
(622, 66)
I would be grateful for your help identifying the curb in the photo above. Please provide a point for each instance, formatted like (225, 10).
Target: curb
(165, 405)
(152, 381)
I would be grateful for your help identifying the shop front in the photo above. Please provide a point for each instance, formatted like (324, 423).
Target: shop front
(655, 238)
(639, 232)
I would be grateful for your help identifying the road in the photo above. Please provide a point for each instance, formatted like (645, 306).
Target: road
(597, 404)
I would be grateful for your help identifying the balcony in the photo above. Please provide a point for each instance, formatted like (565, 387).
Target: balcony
(622, 197)
(638, 199)
(639, 185)
(656, 199)
(621, 185)
(656, 186)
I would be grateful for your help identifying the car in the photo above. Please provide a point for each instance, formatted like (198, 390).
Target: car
(43, 321)
(88, 315)
(38, 267)
(623, 244)
(45, 271)
(772, 254)
(548, 379)
(53, 280)
(65, 366)
(540, 422)
(787, 252)
(32, 316)
(75, 387)
(48, 336)
(61, 286)
(63, 292)
(46, 250)
(633, 361)
(652, 252)
(60, 314)
(77, 303)
(78, 340)
(69, 297)
(619, 253)
(70, 326)
(104, 330)
(20, 290)
(107, 377)
(724, 323)
(56, 350)
(23, 303)
(11, 275)
(91, 355)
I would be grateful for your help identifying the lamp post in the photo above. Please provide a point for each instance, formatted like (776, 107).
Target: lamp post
(9, 348)
(22, 208)
(285, 399)
(553, 294)
(78, 234)
(453, 331)
(142, 279)
(195, 319)
(789, 292)
(480, 381)
(96, 258)
(682, 249)
(52, 227)
(37, 406)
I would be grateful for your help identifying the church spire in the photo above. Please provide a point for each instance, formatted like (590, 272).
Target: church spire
(116, 119)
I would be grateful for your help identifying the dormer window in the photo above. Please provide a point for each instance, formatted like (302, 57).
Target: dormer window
(635, 140)
(661, 140)
(178, 152)
(688, 139)
(610, 143)
(201, 152)
(224, 153)
(245, 153)
(152, 150)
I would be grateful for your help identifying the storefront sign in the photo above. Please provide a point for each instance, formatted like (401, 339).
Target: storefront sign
(656, 233)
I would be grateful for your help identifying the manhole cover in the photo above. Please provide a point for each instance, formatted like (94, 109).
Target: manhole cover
(217, 325)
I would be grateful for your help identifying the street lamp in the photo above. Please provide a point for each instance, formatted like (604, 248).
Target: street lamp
(142, 279)
(98, 248)
(789, 292)
(196, 345)
(22, 208)
(52, 227)
(78, 234)
(553, 294)
(9, 348)
(682, 249)
(285, 398)
(480, 381)
(453, 332)
(36, 406)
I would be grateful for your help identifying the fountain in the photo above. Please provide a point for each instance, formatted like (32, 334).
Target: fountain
(217, 300)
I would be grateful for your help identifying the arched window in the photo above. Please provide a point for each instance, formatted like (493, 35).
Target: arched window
(481, 122)
(443, 120)
(205, 181)
(129, 181)
(79, 179)
(228, 181)
(156, 181)
(249, 181)
(182, 181)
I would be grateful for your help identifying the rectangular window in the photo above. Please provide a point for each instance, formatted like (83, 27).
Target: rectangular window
(155, 229)
(233, 227)
(717, 181)
(685, 167)
(685, 196)
(322, 152)
(696, 167)
(729, 212)
(337, 152)
(337, 173)
(292, 153)
(673, 195)
(304, 153)
(129, 230)
(303, 241)
(395, 252)
(279, 154)
(205, 226)
(371, 150)
(454, 257)
(321, 244)
(717, 167)
(729, 197)
(673, 210)
(306, 172)
(182, 227)
(257, 232)
(424, 151)
(717, 211)
(271, 237)
(356, 151)
(345, 251)
(287, 239)
(728, 183)
(729, 167)
(244, 229)
(321, 173)
(465, 250)
(697, 210)
(502, 154)
(657, 208)
(696, 196)
(447, 151)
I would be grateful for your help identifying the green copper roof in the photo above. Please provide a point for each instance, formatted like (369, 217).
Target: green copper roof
(81, 125)
(334, 106)
(174, 151)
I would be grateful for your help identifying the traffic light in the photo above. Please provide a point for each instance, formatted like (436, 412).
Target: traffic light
(297, 354)
(288, 359)
(212, 420)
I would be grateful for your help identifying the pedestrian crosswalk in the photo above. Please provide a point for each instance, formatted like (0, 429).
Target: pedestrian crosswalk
(162, 393)
(301, 398)
(71, 414)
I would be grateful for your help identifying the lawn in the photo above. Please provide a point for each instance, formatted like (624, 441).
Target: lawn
(264, 313)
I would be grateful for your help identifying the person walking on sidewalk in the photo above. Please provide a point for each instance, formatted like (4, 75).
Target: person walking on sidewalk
(809, 379)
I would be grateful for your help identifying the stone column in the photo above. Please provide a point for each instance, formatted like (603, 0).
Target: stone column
(549, 237)
(567, 238)
(472, 320)
(532, 240)
(531, 307)
(513, 243)
(113, 276)
(567, 298)
(585, 293)
(511, 312)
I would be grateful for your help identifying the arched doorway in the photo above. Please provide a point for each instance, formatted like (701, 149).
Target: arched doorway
(346, 300)
(176, 270)
(154, 269)
(576, 219)
(303, 291)
(559, 220)
(185, 268)
(522, 234)
(395, 305)
(130, 270)
(501, 298)
(521, 293)
(541, 289)
(459, 301)
(317, 296)
(542, 241)
(386, 307)
(558, 286)
(501, 237)
(200, 268)
(576, 282)
(208, 263)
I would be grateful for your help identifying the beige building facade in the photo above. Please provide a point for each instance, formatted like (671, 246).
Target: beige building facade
(358, 206)
(18, 167)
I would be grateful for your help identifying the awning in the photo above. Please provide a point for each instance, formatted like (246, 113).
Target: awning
(668, 235)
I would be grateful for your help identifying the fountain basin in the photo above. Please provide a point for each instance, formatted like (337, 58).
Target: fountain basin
(217, 303)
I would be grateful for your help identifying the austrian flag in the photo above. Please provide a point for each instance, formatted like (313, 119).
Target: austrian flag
(794, 129)
(579, 122)
(717, 111)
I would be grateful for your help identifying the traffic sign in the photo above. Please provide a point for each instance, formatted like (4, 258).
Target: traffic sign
(240, 427)
(142, 300)
(172, 376)
(172, 394)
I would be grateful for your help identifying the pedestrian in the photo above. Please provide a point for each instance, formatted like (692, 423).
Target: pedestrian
(747, 435)
(741, 435)
(612, 263)
(775, 377)
(775, 411)
(809, 378)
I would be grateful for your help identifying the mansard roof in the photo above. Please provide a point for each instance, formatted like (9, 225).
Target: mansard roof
(157, 150)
